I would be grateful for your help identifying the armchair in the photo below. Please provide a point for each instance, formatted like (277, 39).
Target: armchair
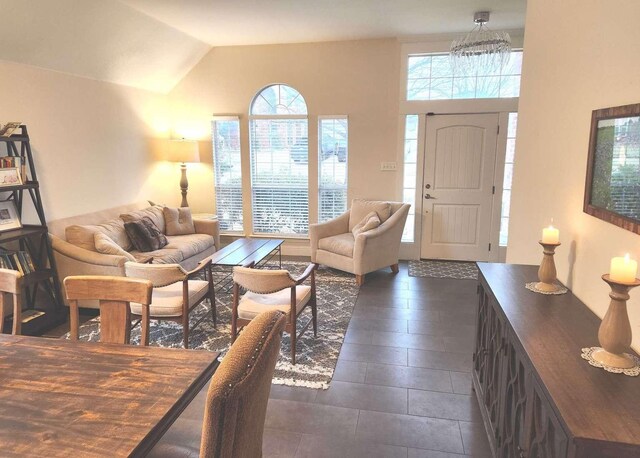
(176, 292)
(333, 243)
(269, 290)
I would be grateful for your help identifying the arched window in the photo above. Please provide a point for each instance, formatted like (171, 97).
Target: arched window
(279, 161)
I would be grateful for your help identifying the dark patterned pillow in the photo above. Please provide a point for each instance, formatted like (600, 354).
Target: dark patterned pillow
(145, 235)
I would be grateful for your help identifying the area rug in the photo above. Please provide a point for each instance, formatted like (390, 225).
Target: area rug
(315, 358)
(443, 269)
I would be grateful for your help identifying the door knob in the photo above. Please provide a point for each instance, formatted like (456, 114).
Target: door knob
(428, 196)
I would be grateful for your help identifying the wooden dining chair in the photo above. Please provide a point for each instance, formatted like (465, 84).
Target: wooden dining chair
(114, 294)
(237, 399)
(274, 290)
(11, 288)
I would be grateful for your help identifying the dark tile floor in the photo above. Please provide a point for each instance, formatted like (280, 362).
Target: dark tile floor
(402, 386)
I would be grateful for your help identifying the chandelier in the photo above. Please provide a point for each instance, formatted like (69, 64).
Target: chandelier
(481, 49)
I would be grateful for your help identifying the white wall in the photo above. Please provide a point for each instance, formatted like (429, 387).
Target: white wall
(580, 55)
(92, 141)
(354, 78)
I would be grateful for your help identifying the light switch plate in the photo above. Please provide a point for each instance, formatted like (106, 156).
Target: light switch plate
(388, 166)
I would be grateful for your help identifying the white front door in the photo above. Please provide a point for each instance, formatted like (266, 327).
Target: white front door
(458, 184)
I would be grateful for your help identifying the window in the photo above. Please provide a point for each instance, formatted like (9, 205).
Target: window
(508, 178)
(225, 136)
(279, 157)
(431, 77)
(409, 175)
(333, 150)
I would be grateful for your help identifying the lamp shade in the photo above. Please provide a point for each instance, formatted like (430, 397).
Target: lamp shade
(183, 151)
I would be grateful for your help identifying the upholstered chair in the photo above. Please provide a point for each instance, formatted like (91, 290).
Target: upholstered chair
(237, 399)
(176, 292)
(274, 290)
(115, 296)
(334, 244)
(11, 291)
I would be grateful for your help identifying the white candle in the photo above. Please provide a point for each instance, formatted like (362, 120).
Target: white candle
(550, 235)
(623, 270)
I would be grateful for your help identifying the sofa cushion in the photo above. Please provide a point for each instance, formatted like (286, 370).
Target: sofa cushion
(361, 208)
(155, 213)
(178, 221)
(251, 304)
(191, 244)
(83, 236)
(162, 256)
(167, 300)
(145, 235)
(339, 244)
(371, 221)
(107, 246)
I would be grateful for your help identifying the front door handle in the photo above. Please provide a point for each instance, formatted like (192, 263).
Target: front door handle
(428, 196)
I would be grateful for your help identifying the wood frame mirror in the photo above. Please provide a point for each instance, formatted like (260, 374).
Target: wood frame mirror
(612, 189)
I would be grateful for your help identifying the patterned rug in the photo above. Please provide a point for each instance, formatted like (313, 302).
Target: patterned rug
(315, 358)
(443, 269)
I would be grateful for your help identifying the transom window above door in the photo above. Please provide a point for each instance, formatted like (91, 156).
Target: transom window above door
(431, 77)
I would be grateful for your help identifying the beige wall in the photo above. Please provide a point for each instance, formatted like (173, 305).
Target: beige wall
(91, 140)
(580, 55)
(356, 78)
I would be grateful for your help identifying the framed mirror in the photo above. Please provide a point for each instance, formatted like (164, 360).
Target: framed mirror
(612, 190)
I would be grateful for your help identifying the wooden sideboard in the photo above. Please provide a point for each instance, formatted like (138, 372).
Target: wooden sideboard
(538, 397)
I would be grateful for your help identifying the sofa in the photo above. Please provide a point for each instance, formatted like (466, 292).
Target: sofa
(334, 244)
(74, 242)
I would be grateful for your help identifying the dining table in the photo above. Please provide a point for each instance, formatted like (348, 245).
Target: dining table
(61, 398)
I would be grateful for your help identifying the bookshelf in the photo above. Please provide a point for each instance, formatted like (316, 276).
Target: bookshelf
(42, 300)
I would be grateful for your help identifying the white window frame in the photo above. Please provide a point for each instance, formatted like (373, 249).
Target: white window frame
(319, 156)
(215, 118)
(253, 117)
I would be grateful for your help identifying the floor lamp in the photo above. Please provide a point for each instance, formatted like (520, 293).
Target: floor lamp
(183, 151)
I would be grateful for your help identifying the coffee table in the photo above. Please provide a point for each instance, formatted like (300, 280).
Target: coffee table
(245, 252)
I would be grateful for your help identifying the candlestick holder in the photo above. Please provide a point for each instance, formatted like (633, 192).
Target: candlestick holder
(547, 271)
(615, 330)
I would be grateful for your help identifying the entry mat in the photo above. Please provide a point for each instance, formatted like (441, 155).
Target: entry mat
(443, 269)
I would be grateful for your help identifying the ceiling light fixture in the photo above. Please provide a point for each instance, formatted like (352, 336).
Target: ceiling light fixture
(482, 48)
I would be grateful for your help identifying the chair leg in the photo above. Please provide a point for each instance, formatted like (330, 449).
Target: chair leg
(314, 314)
(394, 268)
(359, 280)
(234, 313)
(185, 330)
(212, 298)
(293, 345)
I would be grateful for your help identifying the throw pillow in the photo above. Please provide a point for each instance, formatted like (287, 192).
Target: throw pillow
(179, 221)
(107, 246)
(371, 221)
(145, 235)
(360, 208)
(154, 213)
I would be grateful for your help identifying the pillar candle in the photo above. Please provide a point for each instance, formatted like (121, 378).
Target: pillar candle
(623, 270)
(550, 235)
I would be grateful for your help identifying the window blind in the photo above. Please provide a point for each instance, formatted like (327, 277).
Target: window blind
(225, 137)
(332, 167)
(279, 175)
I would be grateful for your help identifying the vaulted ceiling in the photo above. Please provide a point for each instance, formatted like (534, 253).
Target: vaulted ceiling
(152, 44)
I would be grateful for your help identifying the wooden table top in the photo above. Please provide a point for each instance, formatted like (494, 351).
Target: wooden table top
(60, 398)
(245, 250)
(593, 403)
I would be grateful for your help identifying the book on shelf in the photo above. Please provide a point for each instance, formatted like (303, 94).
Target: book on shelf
(17, 260)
